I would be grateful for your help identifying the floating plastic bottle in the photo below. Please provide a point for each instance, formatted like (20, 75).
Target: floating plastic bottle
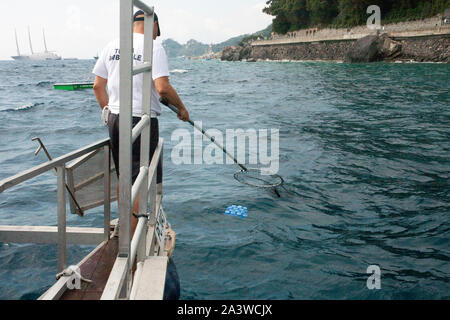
(237, 211)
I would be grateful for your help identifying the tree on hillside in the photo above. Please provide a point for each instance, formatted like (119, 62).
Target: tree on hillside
(354, 12)
(322, 11)
(277, 8)
(299, 14)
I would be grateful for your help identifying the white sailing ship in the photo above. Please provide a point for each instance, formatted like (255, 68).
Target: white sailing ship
(39, 56)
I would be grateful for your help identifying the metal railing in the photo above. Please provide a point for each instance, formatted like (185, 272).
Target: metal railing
(38, 234)
(120, 282)
(148, 238)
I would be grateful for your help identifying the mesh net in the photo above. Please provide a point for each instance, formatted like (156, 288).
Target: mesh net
(256, 178)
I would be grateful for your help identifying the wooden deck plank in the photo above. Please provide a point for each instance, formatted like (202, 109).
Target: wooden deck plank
(97, 269)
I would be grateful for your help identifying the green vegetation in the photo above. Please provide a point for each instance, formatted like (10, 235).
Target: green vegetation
(293, 15)
(230, 42)
(264, 34)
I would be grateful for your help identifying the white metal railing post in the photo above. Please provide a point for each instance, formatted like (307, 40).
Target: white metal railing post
(141, 5)
(146, 111)
(62, 224)
(107, 192)
(153, 194)
(153, 213)
(160, 185)
(119, 282)
(125, 144)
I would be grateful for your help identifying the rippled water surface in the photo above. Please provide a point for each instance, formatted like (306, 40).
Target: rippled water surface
(364, 150)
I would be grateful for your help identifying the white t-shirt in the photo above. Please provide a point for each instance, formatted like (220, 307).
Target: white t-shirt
(108, 67)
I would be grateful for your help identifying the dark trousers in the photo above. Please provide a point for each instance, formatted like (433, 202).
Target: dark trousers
(113, 125)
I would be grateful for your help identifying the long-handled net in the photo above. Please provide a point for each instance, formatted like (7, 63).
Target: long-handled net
(248, 176)
(255, 178)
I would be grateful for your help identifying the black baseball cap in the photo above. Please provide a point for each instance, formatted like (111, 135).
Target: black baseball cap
(141, 13)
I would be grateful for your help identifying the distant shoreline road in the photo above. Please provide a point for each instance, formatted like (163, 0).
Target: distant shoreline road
(428, 27)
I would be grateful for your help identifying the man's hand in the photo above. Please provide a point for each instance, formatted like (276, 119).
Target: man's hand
(183, 114)
(168, 93)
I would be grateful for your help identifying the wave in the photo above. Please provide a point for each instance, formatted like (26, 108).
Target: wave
(41, 84)
(22, 108)
(44, 84)
(418, 62)
(179, 71)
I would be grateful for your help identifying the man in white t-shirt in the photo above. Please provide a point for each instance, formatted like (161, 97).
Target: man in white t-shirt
(107, 84)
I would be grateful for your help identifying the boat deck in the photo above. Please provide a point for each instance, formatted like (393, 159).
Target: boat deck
(97, 268)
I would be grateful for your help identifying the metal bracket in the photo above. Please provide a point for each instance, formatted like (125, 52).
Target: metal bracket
(42, 147)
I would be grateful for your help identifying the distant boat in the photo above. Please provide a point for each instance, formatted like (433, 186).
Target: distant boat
(38, 56)
(73, 86)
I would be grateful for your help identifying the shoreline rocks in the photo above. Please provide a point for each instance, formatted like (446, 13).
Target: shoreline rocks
(368, 49)
(237, 53)
(432, 49)
(373, 48)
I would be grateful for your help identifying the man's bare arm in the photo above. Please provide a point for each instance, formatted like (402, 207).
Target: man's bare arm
(100, 91)
(166, 91)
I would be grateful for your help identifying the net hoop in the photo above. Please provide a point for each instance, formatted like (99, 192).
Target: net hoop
(254, 178)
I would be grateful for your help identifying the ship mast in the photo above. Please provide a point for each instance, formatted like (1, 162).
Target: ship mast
(29, 38)
(45, 43)
(17, 43)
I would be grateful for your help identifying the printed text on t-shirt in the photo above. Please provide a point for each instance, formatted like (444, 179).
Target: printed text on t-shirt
(116, 56)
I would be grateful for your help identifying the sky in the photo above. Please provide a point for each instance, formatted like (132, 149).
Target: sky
(80, 29)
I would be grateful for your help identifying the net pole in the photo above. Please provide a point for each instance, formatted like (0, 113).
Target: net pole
(192, 123)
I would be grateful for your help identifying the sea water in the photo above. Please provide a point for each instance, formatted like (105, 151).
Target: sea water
(364, 150)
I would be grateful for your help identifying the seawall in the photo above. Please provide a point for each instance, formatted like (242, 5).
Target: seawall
(322, 50)
(422, 49)
(426, 27)
(425, 48)
(423, 41)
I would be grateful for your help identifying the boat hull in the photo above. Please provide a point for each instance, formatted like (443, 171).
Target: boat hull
(73, 86)
(20, 58)
(45, 56)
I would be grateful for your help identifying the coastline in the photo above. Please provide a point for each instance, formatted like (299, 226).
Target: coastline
(341, 61)
(419, 41)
